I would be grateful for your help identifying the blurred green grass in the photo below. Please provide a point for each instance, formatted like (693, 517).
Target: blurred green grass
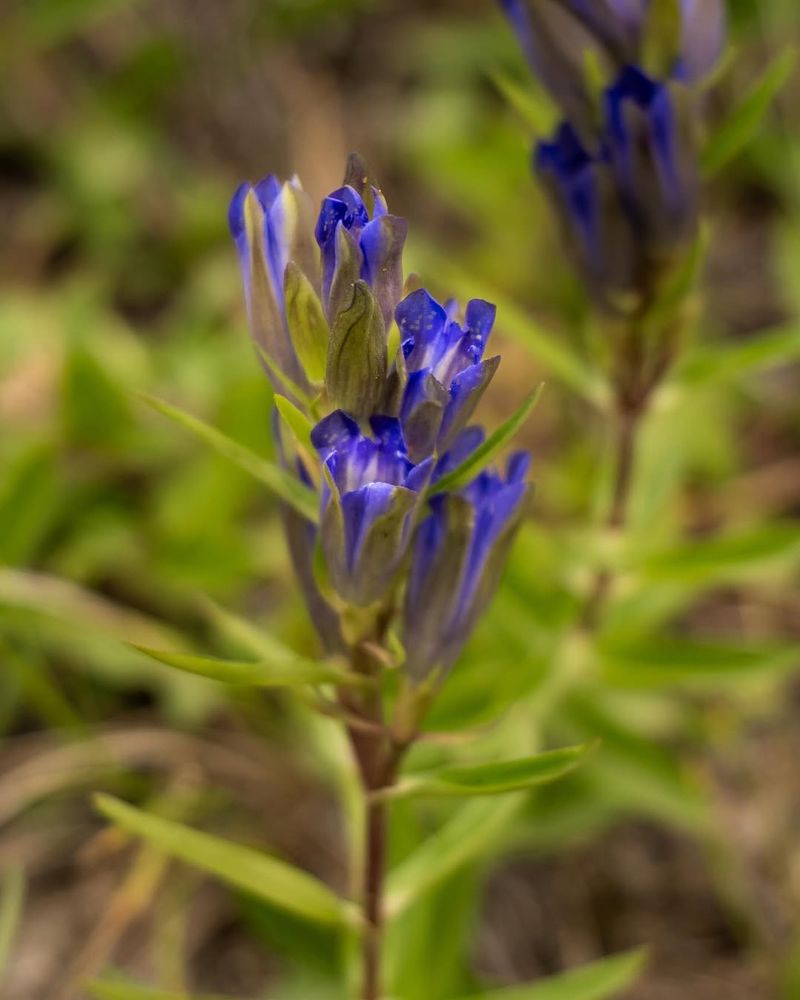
(124, 126)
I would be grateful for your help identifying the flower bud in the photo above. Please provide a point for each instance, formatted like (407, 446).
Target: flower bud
(458, 554)
(446, 373)
(270, 224)
(356, 244)
(368, 504)
(651, 149)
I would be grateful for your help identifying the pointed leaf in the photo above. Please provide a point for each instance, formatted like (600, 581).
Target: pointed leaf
(305, 318)
(489, 779)
(104, 989)
(242, 867)
(736, 133)
(719, 362)
(296, 421)
(669, 660)
(293, 671)
(597, 981)
(486, 452)
(356, 370)
(728, 557)
(471, 833)
(280, 482)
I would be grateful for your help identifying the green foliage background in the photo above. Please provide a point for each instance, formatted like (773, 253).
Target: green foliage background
(124, 126)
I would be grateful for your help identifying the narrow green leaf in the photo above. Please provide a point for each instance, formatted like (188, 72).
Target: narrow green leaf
(596, 981)
(244, 868)
(296, 421)
(471, 833)
(726, 558)
(722, 362)
(104, 989)
(294, 671)
(666, 660)
(280, 482)
(490, 779)
(484, 454)
(735, 134)
(12, 897)
(534, 107)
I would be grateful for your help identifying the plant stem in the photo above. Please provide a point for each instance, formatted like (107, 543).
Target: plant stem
(378, 757)
(374, 869)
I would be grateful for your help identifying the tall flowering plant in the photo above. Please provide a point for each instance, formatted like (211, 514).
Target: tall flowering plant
(404, 541)
(623, 174)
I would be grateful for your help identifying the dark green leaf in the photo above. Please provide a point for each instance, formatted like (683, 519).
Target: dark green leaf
(490, 779)
(308, 327)
(597, 981)
(243, 867)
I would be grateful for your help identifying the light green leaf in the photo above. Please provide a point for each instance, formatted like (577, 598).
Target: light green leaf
(534, 107)
(244, 868)
(484, 454)
(280, 482)
(308, 327)
(727, 558)
(296, 421)
(12, 897)
(293, 671)
(104, 989)
(489, 779)
(721, 362)
(471, 833)
(736, 133)
(597, 981)
(666, 660)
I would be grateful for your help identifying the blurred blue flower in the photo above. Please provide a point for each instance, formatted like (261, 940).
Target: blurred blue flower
(369, 499)
(633, 201)
(458, 554)
(652, 154)
(446, 371)
(557, 36)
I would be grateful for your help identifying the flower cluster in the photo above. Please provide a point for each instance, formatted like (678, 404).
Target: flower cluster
(325, 301)
(622, 165)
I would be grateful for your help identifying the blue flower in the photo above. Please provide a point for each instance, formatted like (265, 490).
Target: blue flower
(458, 554)
(371, 494)
(355, 244)
(446, 371)
(271, 224)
